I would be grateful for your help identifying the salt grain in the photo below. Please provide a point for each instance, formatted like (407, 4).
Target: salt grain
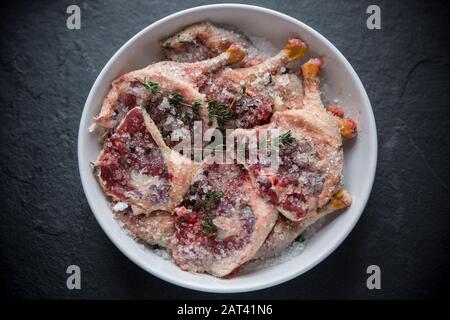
(294, 250)
(120, 206)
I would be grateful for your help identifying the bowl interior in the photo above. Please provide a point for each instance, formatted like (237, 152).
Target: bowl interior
(341, 82)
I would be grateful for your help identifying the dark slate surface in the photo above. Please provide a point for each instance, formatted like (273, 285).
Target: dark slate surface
(47, 71)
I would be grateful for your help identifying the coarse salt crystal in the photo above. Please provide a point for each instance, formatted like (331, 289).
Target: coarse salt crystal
(120, 206)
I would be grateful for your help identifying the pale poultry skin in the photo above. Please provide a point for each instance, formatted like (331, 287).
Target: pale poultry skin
(310, 161)
(137, 167)
(204, 40)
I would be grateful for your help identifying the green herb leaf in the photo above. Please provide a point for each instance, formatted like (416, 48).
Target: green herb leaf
(208, 223)
(219, 111)
(213, 196)
(196, 106)
(212, 103)
(186, 118)
(175, 99)
(243, 88)
(286, 138)
(152, 86)
(211, 199)
(208, 226)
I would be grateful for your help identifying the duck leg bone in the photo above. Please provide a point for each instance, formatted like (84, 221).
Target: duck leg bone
(285, 231)
(294, 50)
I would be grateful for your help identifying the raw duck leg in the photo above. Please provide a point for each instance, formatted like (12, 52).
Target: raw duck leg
(293, 51)
(149, 86)
(204, 40)
(245, 95)
(288, 92)
(286, 89)
(136, 167)
(222, 221)
(310, 159)
(286, 231)
(156, 228)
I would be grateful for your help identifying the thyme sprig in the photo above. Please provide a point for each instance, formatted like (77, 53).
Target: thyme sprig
(176, 99)
(208, 226)
(220, 111)
(212, 197)
(210, 202)
(152, 86)
(286, 138)
(186, 118)
(196, 106)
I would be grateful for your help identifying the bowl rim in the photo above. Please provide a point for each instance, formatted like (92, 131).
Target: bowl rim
(371, 165)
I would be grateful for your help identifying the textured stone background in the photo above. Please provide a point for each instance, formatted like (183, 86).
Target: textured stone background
(46, 224)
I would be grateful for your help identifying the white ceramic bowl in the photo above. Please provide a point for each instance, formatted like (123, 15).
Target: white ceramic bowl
(341, 81)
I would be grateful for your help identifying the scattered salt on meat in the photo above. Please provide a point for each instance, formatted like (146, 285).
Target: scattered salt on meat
(215, 220)
(131, 166)
(297, 174)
